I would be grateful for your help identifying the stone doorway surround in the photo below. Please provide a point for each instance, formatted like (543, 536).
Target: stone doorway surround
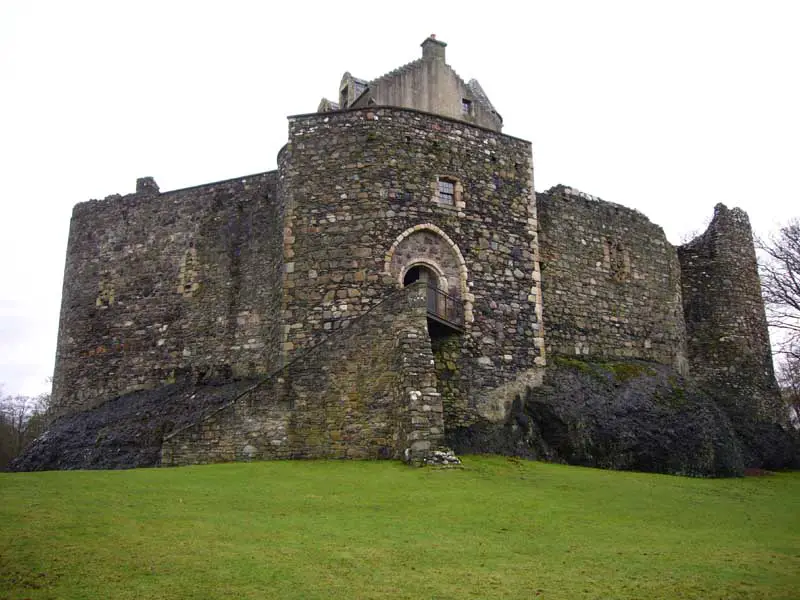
(428, 246)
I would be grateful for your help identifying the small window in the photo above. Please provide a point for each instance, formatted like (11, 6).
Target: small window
(466, 106)
(447, 191)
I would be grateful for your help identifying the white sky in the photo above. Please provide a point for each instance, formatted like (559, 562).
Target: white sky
(667, 107)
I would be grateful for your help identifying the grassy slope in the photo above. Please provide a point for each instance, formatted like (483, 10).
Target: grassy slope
(497, 529)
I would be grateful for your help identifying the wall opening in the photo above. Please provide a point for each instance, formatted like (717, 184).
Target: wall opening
(420, 273)
(445, 312)
(425, 250)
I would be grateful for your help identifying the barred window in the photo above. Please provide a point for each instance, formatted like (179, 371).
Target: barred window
(447, 191)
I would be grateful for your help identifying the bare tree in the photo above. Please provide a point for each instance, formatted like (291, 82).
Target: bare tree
(22, 419)
(780, 282)
(789, 379)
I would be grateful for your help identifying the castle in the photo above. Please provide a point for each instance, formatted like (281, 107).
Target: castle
(394, 280)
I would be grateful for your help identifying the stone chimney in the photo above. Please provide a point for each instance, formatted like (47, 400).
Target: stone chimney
(433, 49)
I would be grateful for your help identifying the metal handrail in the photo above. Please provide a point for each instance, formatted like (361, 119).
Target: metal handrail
(445, 307)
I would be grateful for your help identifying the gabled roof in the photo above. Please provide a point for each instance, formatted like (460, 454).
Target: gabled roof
(362, 92)
(473, 85)
(326, 105)
(481, 96)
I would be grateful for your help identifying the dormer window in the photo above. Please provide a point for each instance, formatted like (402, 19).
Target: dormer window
(466, 106)
(447, 191)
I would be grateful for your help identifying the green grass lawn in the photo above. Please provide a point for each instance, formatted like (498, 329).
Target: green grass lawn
(497, 528)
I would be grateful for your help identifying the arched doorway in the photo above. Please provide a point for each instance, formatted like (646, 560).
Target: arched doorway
(437, 286)
(426, 253)
(443, 308)
(421, 273)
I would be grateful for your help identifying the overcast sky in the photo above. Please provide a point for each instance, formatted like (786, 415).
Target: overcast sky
(667, 107)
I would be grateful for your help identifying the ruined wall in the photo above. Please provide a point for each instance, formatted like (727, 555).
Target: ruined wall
(357, 184)
(366, 391)
(728, 340)
(610, 281)
(161, 286)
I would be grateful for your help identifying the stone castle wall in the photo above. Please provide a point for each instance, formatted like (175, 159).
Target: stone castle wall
(162, 286)
(728, 340)
(360, 188)
(366, 391)
(297, 273)
(610, 281)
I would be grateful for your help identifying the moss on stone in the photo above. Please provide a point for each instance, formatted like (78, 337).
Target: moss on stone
(573, 363)
(676, 396)
(621, 372)
(581, 366)
(625, 371)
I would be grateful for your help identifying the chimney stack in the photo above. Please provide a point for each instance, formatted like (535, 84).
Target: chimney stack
(433, 49)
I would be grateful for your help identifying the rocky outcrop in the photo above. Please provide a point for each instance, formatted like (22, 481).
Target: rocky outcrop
(631, 415)
(125, 432)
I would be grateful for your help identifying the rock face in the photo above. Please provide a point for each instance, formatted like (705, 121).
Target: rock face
(124, 432)
(631, 415)
(628, 415)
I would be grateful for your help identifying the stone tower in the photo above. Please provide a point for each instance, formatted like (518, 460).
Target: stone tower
(728, 340)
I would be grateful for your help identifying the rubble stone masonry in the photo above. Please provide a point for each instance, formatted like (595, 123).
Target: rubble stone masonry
(361, 190)
(728, 339)
(611, 282)
(297, 276)
(366, 391)
(163, 286)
